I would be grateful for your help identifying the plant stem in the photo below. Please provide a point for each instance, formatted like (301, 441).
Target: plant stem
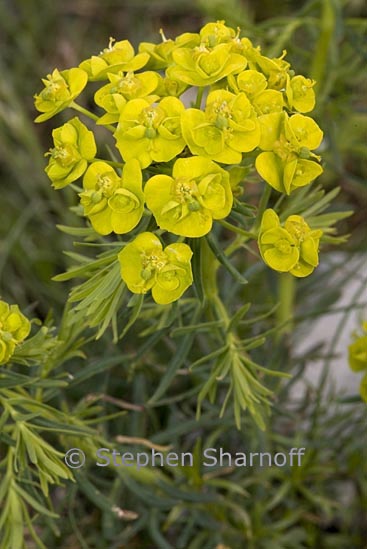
(199, 97)
(209, 267)
(90, 115)
(241, 239)
(286, 294)
(109, 162)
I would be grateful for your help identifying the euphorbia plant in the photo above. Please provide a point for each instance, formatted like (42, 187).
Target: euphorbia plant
(171, 203)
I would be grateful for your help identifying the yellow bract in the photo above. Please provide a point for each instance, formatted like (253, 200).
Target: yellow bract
(287, 143)
(146, 266)
(357, 354)
(202, 65)
(292, 248)
(113, 203)
(186, 203)
(124, 87)
(300, 94)
(74, 148)
(226, 129)
(61, 88)
(14, 328)
(150, 132)
(118, 56)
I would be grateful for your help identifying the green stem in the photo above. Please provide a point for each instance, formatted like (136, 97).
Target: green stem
(252, 234)
(90, 115)
(209, 267)
(109, 162)
(263, 204)
(235, 229)
(199, 97)
(286, 295)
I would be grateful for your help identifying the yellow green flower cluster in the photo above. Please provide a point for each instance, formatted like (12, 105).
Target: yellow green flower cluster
(175, 160)
(145, 265)
(292, 247)
(14, 328)
(358, 358)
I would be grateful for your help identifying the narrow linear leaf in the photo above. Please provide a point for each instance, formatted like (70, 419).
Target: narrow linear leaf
(223, 259)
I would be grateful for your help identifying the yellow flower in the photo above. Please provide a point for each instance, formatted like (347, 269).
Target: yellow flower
(249, 81)
(226, 129)
(213, 34)
(202, 66)
(276, 70)
(168, 86)
(146, 266)
(358, 351)
(277, 246)
(113, 203)
(14, 328)
(287, 142)
(357, 354)
(253, 83)
(122, 88)
(118, 56)
(307, 241)
(300, 94)
(186, 203)
(292, 248)
(150, 132)
(74, 148)
(161, 54)
(61, 88)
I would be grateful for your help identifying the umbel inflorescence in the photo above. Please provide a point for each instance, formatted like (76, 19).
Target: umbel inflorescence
(177, 163)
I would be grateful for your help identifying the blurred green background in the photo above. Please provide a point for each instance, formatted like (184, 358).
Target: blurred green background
(325, 40)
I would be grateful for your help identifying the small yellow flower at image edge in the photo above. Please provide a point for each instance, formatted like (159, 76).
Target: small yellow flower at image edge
(357, 357)
(14, 328)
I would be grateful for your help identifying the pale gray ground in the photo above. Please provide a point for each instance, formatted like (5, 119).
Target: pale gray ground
(354, 291)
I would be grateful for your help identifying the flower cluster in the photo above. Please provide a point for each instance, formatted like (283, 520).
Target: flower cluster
(176, 160)
(112, 202)
(358, 358)
(14, 328)
(146, 266)
(292, 247)
(74, 148)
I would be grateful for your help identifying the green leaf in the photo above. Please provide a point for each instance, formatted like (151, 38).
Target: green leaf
(37, 506)
(135, 304)
(195, 245)
(223, 259)
(78, 231)
(242, 311)
(178, 359)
